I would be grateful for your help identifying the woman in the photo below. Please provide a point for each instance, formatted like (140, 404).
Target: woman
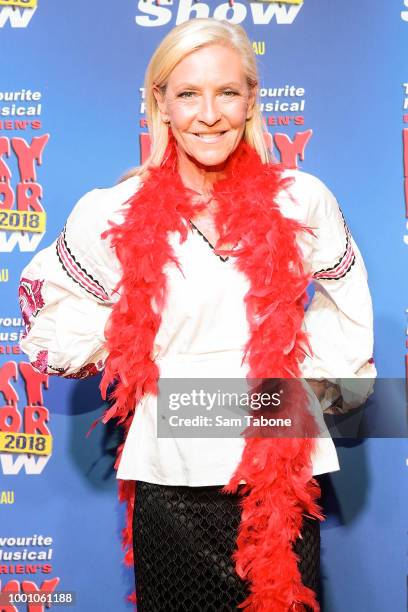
(196, 266)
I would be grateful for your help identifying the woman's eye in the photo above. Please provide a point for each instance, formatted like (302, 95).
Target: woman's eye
(185, 94)
(230, 92)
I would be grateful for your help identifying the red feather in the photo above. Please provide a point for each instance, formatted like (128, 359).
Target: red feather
(277, 471)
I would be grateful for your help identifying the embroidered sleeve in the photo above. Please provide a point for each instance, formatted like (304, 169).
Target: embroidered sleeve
(341, 266)
(339, 319)
(66, 294)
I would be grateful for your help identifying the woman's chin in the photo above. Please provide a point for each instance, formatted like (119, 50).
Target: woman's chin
(210, 159)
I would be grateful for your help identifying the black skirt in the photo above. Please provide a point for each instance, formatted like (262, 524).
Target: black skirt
(183, 541)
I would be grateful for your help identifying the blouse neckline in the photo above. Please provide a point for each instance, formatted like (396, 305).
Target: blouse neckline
(224, 259)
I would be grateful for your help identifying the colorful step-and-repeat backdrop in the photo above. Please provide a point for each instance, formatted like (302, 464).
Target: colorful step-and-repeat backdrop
(334, 94)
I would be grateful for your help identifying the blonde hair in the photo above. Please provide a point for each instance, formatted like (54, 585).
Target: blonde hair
(179, 42)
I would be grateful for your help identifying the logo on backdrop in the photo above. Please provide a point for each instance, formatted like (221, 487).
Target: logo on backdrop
(22, 215)
(17, 109)
(17, 13)
(30, 550)
(25, 437)
(151, 13)
(11, 331)
(4, 275)
(32, 556)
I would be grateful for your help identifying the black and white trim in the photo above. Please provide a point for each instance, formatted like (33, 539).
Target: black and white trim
(344, 264)
(77, 272)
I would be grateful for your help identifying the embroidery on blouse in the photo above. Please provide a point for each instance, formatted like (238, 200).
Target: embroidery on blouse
(345, 263)
(30, 299)
(90, 369)
(77, 272)
(41, 362)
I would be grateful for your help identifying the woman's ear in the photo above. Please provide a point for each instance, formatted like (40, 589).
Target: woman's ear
(159, 94)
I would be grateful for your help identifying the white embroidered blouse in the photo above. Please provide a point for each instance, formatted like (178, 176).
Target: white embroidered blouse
(66, 296)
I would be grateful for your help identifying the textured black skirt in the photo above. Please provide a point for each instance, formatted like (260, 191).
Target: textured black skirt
(183, 540)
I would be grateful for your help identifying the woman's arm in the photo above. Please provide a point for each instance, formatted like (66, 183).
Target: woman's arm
(67, 290)
(339, 320)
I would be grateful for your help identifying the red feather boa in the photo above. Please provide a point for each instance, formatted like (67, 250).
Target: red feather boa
(277, 471)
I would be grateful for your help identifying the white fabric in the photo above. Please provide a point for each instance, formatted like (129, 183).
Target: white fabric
(204, 325)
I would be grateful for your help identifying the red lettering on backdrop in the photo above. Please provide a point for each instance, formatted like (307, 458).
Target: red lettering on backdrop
(34, 382)
(5, 173)
(405, 158)
(28, 586)
(289, 150)
(35, 420)
(10, 419)
(9, 350)
(144, 143)
(8, 372)
(13, 586)
(48, 586)
(6, 195)
(6, 192)
(28, 196)
(29, 156)
(36, 416)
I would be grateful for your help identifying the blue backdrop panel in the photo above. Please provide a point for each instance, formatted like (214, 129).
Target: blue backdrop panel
(72, 74)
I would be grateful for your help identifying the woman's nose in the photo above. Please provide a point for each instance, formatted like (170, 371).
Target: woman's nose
(209, 111)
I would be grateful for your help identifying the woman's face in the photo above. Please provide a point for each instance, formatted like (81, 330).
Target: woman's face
(207, 102)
